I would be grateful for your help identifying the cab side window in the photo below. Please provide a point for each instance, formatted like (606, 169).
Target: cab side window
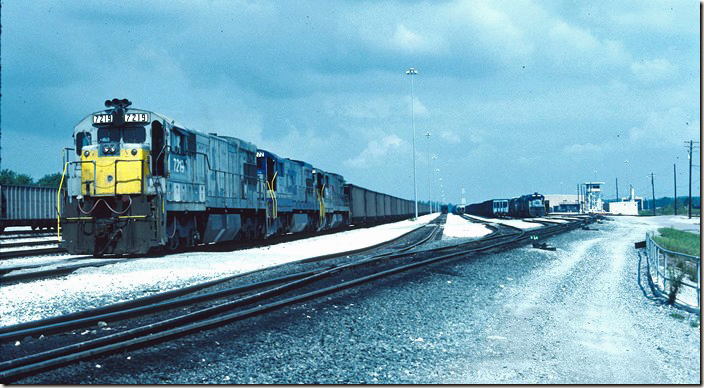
(82, 139)
(178, 143)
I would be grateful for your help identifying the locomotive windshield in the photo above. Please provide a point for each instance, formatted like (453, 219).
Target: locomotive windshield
(127, 134)
(537, 203)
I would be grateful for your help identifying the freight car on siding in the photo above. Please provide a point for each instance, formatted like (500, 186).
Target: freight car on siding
(31, 206)
(490, 208)
(525, 206)
(368, 207)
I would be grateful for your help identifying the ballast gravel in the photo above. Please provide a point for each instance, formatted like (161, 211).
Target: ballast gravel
(575, 315)
(132, 278)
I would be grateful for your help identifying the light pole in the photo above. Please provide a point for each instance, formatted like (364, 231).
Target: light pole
(628, 180)
(431, 174)
(437, 205)
(413, 72)
(430, 190)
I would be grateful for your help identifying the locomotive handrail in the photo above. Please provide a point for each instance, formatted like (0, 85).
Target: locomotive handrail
(321, 202)
(58, 204)
(272, 193)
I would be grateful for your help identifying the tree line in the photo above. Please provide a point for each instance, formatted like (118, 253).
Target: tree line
(9, 177)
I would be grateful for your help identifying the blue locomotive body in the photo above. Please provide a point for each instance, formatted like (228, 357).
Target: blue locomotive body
(528, 206)
(142, 181)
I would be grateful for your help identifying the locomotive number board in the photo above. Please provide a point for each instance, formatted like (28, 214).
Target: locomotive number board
(102, 119)
(129, 118)
(136, 118)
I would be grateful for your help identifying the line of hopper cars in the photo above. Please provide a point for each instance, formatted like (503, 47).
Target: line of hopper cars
(31, 206)
(525, 206)
(142, 181)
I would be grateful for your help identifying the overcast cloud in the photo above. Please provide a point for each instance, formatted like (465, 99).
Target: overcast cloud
(519, 96)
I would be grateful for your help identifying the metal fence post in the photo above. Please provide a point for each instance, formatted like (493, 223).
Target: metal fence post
(664, 272)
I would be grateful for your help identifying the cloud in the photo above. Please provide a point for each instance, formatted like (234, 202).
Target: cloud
(653, 70)
(376, 150)
(406, 40)
(587, 148)
(450, 137)
(671, 127)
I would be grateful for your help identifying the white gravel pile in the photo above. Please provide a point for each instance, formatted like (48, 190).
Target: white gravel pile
(551, 219)
(91, 287)
(456, 226)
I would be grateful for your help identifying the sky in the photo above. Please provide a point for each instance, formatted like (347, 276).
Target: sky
(518, 96)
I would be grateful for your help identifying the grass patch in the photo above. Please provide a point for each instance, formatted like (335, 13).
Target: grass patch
(694, 322)
(677, 316)
(679, 241)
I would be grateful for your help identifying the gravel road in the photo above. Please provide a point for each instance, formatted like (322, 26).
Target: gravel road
(576, 315)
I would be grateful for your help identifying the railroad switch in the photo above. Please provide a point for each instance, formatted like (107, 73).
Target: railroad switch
(541, 245)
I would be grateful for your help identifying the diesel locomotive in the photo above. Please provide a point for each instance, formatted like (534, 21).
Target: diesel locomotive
(141, 181)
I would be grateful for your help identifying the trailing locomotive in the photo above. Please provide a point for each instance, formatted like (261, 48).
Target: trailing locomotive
(143, 181)
(530, 205)
(525, 206)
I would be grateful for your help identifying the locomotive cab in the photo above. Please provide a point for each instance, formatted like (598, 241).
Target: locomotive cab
(109, 195)
(114, 152)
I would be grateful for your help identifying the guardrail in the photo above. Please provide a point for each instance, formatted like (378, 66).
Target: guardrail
(663, 264)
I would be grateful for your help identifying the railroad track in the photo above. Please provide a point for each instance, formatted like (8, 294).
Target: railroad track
(47, 273)
(26, 232)
(28, 244)
(13, 236)
(67, 269)
(31, 252)
(253, 299)
(220, 247)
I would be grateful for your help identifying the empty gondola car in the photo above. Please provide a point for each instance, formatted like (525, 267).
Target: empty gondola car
(31, 206)
(490, 208)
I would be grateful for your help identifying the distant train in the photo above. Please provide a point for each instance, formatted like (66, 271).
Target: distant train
(27, 206)
(525, 206)
(143, 181)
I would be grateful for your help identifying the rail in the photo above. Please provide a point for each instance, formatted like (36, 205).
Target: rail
(667, 264)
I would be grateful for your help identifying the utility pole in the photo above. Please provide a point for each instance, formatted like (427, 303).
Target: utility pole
(689, 156)
(617, 200)
(674, 167)
(652, 185)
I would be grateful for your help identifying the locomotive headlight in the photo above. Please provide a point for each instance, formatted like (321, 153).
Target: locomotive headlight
(105, 149)
(134, 151)
(86, 153)
(112, 150)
